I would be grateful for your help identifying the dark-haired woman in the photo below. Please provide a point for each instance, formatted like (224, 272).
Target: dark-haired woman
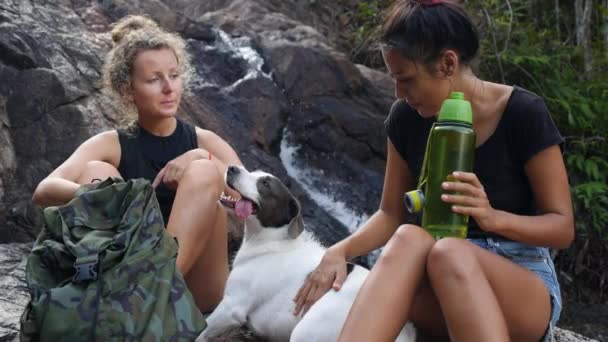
(499, 284)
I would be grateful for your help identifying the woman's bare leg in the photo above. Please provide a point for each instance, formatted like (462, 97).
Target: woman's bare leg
(427, 316)
(485, 297)
(382, 305)
(97, 170)
(199, 224)
(207, 278)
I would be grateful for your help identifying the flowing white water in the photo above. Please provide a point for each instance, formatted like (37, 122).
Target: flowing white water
(307, 177)
(241, 48)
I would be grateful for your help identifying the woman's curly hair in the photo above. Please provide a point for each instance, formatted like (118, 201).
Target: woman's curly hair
(131, 35)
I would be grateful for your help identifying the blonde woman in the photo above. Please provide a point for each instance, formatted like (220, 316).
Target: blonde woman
(147, 71)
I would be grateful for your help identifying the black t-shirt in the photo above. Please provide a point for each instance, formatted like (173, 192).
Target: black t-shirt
(143, 155)
(524, 129)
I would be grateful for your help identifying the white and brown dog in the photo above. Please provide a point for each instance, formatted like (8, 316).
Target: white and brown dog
(274, 259)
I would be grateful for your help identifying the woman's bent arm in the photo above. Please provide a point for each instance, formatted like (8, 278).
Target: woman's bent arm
(554, 226)
(381, 226)
(60, 186)
(331, 271)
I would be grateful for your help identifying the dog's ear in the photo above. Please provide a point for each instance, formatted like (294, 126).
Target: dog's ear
(296, 226)
(294, 208)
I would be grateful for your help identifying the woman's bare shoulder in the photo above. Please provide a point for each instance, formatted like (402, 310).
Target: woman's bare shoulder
(105, 146)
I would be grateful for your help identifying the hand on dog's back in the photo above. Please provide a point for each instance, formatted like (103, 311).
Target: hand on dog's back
(330, 273)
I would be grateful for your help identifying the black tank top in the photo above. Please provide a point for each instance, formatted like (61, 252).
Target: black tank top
(143, 155)
(525, 128)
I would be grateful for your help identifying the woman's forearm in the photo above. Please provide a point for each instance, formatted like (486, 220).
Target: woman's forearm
(54, 191)
(548, 230)
(374, 234)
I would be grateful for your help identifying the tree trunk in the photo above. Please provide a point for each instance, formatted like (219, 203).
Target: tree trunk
(582, 11)
(532, 12)
(605, 28)
(557, 26)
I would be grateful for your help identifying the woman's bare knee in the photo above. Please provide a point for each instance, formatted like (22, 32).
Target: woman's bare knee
(202, 175)
(451, 257)
(409, 234)
(96, 170)
(407, 239)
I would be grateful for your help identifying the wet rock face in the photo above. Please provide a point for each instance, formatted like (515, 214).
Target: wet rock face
(255, 81)
(260, 74)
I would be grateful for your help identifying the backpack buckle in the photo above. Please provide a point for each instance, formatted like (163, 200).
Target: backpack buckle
(87, 268)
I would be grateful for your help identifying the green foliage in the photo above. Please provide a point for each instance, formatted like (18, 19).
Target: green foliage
(526, 43)
(365, 26)
(534, 54)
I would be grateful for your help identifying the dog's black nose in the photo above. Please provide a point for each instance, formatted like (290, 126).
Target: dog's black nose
(232, 171)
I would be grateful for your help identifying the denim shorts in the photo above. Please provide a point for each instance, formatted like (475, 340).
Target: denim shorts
(535, 259)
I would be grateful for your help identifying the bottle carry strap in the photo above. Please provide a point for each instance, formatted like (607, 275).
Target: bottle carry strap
(423, 171)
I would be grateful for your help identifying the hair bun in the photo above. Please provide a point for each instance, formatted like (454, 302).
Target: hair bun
(129, 24)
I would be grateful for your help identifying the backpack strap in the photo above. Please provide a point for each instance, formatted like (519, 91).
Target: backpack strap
(88, 268)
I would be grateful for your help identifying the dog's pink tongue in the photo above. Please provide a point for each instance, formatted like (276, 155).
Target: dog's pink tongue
(243, 208)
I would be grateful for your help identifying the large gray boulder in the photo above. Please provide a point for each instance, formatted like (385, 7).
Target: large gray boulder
(260, 80)
(13, 288)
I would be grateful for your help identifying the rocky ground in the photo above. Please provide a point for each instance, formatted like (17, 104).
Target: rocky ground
(13, 297)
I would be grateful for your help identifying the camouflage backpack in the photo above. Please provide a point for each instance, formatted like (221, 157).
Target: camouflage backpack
(103, 269)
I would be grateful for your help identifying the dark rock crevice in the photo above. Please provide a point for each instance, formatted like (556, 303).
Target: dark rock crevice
(15, 52)
(69, 103)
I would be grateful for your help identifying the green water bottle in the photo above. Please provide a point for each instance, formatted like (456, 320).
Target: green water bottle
(450, 147)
